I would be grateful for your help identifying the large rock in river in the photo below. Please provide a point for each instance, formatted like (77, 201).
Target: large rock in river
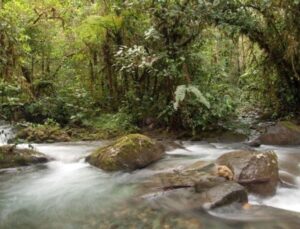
(10, 156)
(209, 192)
(131, 152)
(194, 187)
(283, 133)
(257, 171)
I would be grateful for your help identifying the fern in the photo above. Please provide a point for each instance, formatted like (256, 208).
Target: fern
(179, 95)
(183, 90)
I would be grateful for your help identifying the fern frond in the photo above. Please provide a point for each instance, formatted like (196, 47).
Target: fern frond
(183, 90)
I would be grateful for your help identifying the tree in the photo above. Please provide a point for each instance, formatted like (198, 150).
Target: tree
(274, 26)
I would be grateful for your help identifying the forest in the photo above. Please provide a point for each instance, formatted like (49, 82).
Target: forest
(151, 77)
(175, 64)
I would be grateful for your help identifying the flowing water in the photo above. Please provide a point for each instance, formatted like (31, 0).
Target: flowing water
(68, 193)
(5, 132)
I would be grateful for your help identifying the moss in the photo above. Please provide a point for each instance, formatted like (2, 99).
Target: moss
(110, 164)
(1, 156)
(22, 161)
(291, 126)
(133, 141)
(13, 157)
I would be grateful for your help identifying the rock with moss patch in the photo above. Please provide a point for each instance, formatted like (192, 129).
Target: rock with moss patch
(134, 151)
(283, 133)
(257, 171)
(10, 156)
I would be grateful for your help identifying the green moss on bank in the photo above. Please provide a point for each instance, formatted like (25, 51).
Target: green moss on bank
(48, 132)
(10, 157)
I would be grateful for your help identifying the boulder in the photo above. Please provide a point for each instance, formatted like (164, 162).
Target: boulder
(196, 186)
(172, 180)
(223, 194)
(211, 169)
(213, 193)
(283, 133)
(176, 179)
(207, 174)
(217, 191)
(206, 182)
(204, 166)
(10, 156)
(257, 171)
(134, 151)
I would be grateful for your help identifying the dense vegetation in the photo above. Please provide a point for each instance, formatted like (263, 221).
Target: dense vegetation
(181, 64)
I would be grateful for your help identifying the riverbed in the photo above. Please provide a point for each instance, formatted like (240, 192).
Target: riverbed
(69, 193)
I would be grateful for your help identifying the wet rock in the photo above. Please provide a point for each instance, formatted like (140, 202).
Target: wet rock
(10, 156)
(257, 171)
(172, 180)
(217, 191)
(207, 174)
(213, 194)
(256, 143)
(204, 166)
(283, 133)
(196, 186)
(131, 152)
(207, 182)
(230, 137)
(176, 179)
(224, 194)
(211, 168)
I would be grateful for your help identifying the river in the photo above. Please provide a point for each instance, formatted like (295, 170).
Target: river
(68, 193)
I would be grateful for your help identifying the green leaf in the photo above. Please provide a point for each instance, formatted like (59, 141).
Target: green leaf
(183, 90)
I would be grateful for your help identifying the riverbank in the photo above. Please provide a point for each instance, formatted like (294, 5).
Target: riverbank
(52, 132)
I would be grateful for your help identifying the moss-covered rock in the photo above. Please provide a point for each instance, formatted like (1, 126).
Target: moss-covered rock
(130, 152)
(257, 171)
(10, 156)
(283, 133)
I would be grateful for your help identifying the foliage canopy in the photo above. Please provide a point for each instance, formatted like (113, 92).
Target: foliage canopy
(185, 64)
